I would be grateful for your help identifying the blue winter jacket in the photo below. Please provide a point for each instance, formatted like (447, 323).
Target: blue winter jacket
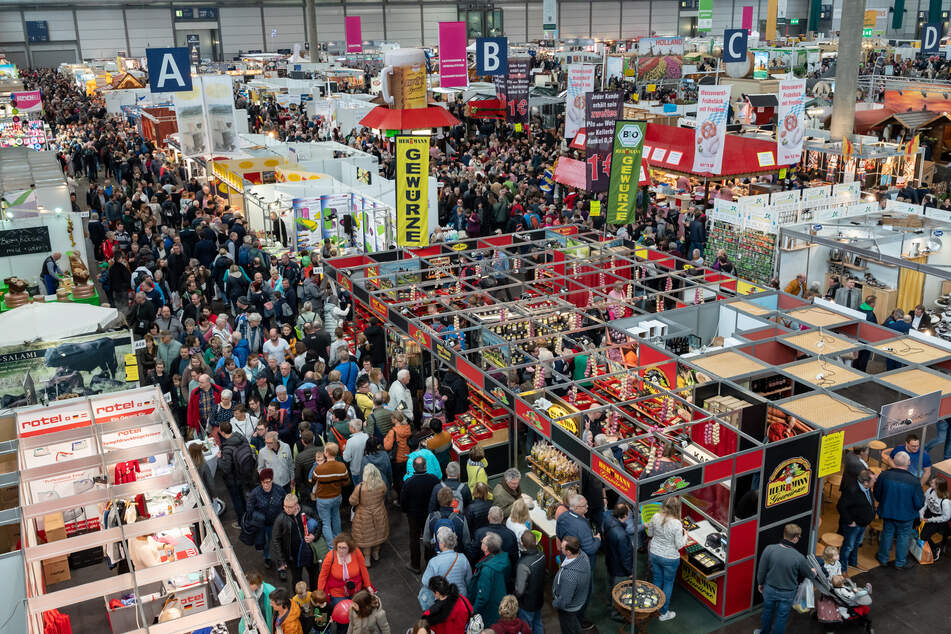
(899, 495)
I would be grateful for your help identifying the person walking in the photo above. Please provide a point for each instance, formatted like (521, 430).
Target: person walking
(571, 588)
(264, 505)
(329, 477)
(414, 500)
(856, 512)
(371, 522)
(530, 583)
(449, 564)
(781, 568)
(488, 583)
(277, 456)
(899, 497)
(238, 468)
(620, 550)
(292, 536)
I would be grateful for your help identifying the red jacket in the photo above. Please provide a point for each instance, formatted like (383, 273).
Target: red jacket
(194, 417)
(458, 618)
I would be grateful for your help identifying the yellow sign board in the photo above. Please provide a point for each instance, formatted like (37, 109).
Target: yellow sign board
(640, 252)
(595, 209)
(789, 481)
(704, 587)
(830, 453)
(651, 87)
(745, 288)
(412, 191)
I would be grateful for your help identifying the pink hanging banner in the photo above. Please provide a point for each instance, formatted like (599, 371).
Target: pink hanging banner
(746, 21)
(354, 33)
(453, 68)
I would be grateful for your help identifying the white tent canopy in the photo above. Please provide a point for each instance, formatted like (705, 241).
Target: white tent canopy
(55, 320)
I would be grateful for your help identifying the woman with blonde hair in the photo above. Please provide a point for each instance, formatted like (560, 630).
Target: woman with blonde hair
(668, 536)
(371, 523)
(518, 521)
(508, 622)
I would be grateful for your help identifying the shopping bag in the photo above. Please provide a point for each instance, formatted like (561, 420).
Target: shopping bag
(921, 551)
(805, 599)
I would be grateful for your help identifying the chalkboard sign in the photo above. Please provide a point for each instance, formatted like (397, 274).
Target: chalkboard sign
(25, 241)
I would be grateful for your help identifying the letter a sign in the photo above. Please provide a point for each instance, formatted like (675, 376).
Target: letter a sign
(492, 56)
(169, 69)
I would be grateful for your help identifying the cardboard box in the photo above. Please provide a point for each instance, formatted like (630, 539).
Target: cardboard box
(54, 527)
(9, 537)
(56, 570)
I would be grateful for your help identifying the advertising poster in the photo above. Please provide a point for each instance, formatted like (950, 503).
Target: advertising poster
(906, 416)
(659, 58)
(45, 371)
(412, 191)
(789, 477)
(353, 31)
(791, 121)
(189, 113)
(705, 16)
(625, 171)
(580, 81)
(760, 64)
(27, 101)
(602, 110)
(550, 15)
(713, 103)
(516, 91)
(453, 68)
(219, 113)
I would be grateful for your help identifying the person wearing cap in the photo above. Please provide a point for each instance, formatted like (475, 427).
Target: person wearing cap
(265, 504)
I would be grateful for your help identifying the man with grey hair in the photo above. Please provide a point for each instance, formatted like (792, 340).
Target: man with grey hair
(447, 563)
(508, 490)
(573, 522)
(168, 347)
(401, 399)
(353, 452)
(490, 578)
(496, 525)
(462, 497)
(276, 455)
(253, 333)
(899, 497)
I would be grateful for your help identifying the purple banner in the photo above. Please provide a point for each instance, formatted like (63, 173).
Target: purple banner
(353, 30)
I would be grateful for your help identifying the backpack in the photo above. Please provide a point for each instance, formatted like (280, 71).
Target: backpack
(458, 504)
(245, 462)
(447, 521)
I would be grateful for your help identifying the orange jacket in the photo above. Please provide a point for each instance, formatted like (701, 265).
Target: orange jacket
(399, 434)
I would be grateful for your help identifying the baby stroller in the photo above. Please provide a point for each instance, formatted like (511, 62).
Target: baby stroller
(835, 606)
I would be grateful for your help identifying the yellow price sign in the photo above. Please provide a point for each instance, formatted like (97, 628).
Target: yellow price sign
(595, 208)
(830, 453)
(651, 87)
(518, 127)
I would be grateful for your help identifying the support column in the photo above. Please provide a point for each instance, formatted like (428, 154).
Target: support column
(310, 15)
(847, 68)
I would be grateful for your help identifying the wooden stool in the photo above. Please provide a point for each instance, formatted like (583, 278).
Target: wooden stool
(831, 539)
(835, 481)
(879, 446)
(875, 528)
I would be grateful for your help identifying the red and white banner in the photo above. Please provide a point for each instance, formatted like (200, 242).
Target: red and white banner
(28, 101)
(353, 30)
(580, 82)
(453, 67)
(790, 121)
(713, 103)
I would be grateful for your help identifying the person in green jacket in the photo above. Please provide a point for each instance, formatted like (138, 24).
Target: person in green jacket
(488, 583)
(262, 592)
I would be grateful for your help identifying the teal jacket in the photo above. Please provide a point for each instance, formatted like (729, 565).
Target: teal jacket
(264, 602)
(487, 586)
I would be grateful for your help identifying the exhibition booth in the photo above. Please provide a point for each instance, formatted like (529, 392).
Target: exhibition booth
(116, 531)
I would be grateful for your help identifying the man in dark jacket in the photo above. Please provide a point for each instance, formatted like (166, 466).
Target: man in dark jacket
(376, 337)
(304, 462)
(237, 467)
(620, 551)
(496, 525)
(414, 500)
(856, 512)
(142, 315)
(781, 568)
(899, 497)
(530, 582)
(292, 536)
(445, 515)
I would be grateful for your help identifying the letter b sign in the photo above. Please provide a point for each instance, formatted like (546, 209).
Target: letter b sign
(169, 69)
(492, 55)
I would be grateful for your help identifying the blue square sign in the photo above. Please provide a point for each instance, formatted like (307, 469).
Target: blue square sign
(169, 69)
(734, 45)
(492, 54)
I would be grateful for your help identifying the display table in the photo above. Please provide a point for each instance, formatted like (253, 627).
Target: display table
(942, 469)
(545, 526)
(625, 604)
(92, 300)
(496, 453)
(704, 584)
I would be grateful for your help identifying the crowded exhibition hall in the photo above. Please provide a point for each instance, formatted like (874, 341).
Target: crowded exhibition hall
(465, 318)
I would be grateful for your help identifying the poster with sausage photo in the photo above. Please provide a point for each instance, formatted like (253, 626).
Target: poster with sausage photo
(791, 121)
(713, 103)
(580, 82)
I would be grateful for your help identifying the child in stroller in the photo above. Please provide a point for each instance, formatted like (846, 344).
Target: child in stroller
(839, 600)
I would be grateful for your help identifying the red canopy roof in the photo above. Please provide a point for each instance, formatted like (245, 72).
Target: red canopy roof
(672, 148)
(385, 118)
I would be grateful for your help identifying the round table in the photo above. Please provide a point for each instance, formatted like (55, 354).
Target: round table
(641, 616)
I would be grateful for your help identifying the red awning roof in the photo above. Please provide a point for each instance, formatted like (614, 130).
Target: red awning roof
(672, 148)
(385, 118)
(865, 120)
(578, 142)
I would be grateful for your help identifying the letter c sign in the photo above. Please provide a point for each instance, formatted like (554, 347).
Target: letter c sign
(734, 45)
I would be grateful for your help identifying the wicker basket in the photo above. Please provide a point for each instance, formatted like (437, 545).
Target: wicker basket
(641, 616)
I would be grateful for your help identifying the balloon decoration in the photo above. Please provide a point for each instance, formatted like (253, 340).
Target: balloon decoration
(341, 613)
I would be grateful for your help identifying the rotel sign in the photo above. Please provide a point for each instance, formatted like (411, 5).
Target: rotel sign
(36, 426)
(123, 408)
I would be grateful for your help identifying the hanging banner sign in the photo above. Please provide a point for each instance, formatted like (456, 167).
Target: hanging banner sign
(931, 39)
(169, 69)
(353, 31)
(453, 68)
(705, 16)
(412, 191)
(492, 56)
(580, 81)
(713, 103)
(517, 90)
(550, 15)
(602, 110)
(791, 121)
(735, 42)
(625, 170)
(28, 101)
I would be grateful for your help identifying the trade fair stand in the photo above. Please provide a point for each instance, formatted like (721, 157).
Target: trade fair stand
(620, 407)
(111, 474)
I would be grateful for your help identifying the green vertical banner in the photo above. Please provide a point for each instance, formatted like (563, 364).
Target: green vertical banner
(898, 15)
(815, 9)
(705, 16)
(625, 171)
(934, 12)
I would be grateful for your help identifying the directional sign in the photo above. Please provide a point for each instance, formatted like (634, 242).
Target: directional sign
(734, 45)
(492, 55)
(169, 69)
(930, 39)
